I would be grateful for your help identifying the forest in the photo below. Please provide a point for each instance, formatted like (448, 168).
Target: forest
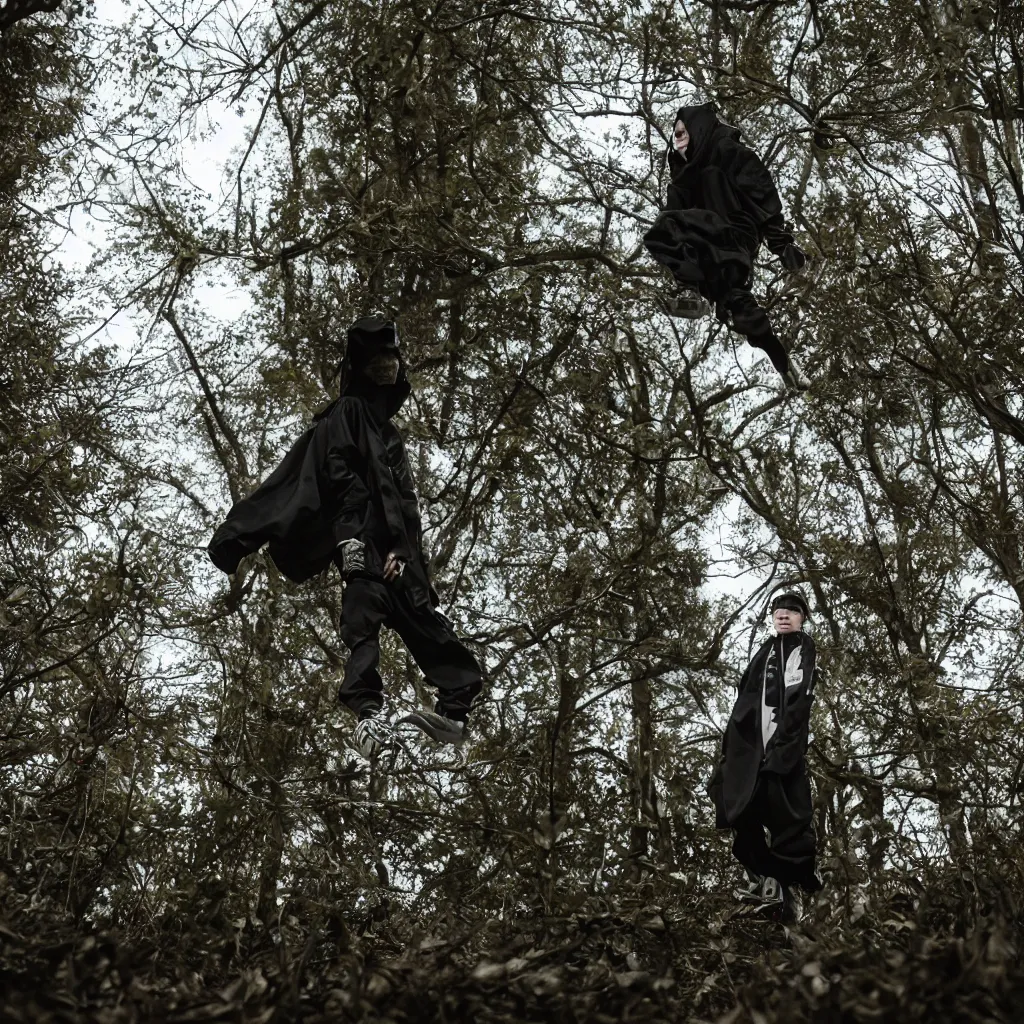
(196, 198)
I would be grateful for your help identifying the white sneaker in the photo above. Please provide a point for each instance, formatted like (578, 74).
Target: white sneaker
(751, 892)
(687, 303)
(373, 733)
(762, 890)
(771, 891)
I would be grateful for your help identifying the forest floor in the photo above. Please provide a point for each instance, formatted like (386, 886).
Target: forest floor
(699, 960)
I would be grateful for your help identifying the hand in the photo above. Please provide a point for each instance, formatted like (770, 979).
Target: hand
(793, 257)
(394, 566)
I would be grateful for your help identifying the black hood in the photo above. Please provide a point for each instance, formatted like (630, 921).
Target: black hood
(702, 123)
(366, 338)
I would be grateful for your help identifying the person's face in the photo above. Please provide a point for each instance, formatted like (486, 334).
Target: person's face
(785, 620)
(382, 369)
(680, 137)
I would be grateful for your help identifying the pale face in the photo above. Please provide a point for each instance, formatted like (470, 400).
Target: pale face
(382, 369)
(680, 137)
(785, 620)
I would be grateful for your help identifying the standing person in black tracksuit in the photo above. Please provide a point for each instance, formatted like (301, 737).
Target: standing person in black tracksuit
(761, 781)
(345, 493)
(722, 204)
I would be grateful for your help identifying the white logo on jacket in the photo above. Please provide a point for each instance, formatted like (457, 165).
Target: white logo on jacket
(793, 676)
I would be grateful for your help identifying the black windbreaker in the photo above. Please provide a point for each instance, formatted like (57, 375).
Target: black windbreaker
(721, 174)
(744, 754)
(347, 476)
(722, 202)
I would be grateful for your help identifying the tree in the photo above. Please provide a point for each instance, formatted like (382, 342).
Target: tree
(14, 11)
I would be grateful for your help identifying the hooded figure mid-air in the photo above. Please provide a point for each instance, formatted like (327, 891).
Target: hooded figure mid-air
(722, 204)
(345, 493)
(761, 781)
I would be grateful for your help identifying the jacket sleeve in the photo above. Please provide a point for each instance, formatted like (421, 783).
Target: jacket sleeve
(777, 235)
(758, 193)
(347, 492)
(402, 475)
(716, 786)
(226, 550)
(267, 512)
(678, 196)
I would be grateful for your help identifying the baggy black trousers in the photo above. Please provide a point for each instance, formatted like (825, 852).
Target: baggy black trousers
(781, 804)
(748, 316)
(447, 664)
(705, 251)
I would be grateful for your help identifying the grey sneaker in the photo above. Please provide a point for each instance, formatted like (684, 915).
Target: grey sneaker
(687, 303)
(771, 891)
(373, 732)
(751, 892)
(437, 727)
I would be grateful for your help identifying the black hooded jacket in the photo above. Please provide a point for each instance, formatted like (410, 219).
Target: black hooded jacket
(347, 476)
(745, 755)
(722, 203)
(721, 174)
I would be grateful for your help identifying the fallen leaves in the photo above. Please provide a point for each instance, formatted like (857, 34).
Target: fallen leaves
(641, 963)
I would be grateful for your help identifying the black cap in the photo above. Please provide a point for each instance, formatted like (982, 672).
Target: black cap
(792, 601)
(370, 335)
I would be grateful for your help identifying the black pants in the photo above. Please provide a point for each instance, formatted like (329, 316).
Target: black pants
(782, 804)
(444, 660)
(705, 251)
(749, 317)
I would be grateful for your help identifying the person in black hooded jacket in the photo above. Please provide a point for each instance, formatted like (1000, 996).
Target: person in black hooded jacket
(761, 780)
(345, 493)
(722, 204)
